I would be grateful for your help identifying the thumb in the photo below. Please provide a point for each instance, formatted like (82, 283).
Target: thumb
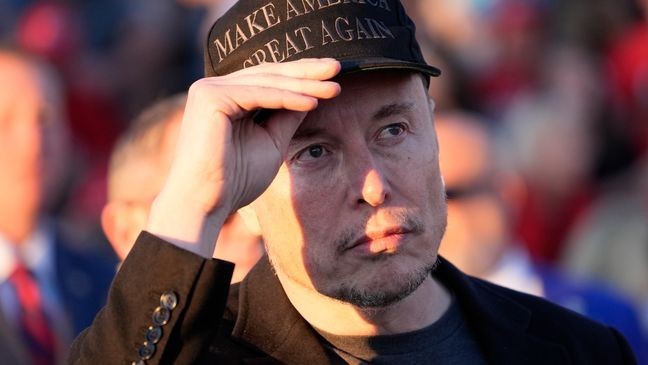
(281, 127)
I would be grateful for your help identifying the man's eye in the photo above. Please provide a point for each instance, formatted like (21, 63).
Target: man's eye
(311, 153)
(392, 130)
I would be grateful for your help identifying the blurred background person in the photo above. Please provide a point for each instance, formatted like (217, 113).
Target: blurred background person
(479, 238)
(138, 168)
(549, 133)
(564, 83)
(114, 58)
(611, 241)
(50, 288)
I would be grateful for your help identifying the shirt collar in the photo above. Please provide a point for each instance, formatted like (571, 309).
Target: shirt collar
(35, 252)
(7, 258)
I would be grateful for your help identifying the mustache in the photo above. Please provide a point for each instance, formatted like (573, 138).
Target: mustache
(402, 222)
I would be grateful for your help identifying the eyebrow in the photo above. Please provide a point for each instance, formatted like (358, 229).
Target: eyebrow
(389, 110)
(307, 133)
(385, 111)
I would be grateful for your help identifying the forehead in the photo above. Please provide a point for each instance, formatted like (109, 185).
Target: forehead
(364, 95)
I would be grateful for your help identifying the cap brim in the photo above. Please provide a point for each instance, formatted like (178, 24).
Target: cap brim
(382, 63)
(352, 65)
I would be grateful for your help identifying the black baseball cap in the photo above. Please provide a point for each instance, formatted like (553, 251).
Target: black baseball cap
(361, 34)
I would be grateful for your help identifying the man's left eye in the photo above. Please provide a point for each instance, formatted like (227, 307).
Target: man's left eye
(392, 130)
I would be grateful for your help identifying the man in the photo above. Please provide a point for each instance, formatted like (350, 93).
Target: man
(49, 289)
(479, 237)
(341, 171)
(138, 167)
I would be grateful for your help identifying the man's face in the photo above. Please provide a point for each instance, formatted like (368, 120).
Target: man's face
(357, 210)
(32, 134)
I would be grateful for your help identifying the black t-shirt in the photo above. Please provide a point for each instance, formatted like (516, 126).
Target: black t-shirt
(446, 341)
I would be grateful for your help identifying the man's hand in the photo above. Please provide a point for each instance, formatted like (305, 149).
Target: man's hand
(223, 159)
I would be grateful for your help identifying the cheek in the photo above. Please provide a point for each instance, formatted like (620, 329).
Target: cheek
(418, 171)
(278, 211)
(302, 214)
(318, 211)
(279, 224)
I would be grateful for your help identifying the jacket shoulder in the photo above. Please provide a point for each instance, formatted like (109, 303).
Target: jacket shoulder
(582, 339)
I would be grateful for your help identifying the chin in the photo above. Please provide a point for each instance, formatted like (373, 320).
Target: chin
(387, 283)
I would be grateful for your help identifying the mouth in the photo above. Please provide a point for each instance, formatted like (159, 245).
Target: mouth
(385, 241)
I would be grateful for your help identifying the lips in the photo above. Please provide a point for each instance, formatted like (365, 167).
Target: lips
(380, 241)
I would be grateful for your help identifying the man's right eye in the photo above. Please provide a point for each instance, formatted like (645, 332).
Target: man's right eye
(311, 153)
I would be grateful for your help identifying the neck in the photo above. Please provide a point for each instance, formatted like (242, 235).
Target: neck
(418, 310)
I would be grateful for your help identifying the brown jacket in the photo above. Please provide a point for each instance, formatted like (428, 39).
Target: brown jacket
(258, 325)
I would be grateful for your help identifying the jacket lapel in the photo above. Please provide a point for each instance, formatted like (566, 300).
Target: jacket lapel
(12, 349)
(267, 319)
(502, 327)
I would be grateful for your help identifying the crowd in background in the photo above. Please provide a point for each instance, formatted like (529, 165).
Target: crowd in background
(560, 86)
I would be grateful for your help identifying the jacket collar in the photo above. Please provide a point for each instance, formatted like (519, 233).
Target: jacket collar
(267, 320)
(503, 327)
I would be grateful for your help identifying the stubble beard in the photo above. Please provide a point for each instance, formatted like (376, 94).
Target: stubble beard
(380, 297)
(379, 294)
(376, 295)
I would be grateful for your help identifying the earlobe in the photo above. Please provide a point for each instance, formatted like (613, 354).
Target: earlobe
(250, 219)
(110, 226)
(117, 226)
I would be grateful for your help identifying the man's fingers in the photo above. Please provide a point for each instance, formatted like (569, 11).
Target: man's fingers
(316, 88)
(282, 126)
(249, 98)
(236, 100)
(307, 68)
(293, 85)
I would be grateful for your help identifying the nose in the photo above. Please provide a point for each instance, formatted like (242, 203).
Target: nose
(375, 189)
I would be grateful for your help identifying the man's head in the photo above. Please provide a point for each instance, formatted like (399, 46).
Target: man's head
(138, 167)
(33, 136)
(357, 210)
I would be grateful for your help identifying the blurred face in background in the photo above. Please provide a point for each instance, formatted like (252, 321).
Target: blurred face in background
(136, 180)
(33, 139)
(477, 226)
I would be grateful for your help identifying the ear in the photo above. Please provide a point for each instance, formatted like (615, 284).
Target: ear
(121, 226)
(250, 219)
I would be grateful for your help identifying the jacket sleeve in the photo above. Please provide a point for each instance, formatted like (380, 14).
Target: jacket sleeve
(162, 308)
